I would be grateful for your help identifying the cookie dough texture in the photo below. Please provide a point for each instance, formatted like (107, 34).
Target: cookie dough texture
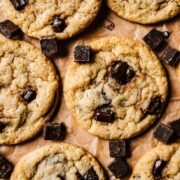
(23, 67)
(89, 86)
(145, 11)
(47, 162)
(36, 17)
(169, 153)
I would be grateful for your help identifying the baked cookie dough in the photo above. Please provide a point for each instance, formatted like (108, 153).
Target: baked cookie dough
(28, 91)
(37, 18)
(145, 11)
(58, 161)
(162, 162)
(120, 93)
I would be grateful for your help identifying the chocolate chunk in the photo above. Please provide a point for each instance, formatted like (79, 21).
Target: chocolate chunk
(155, 39)
(19, 4)
(171, 56)
(104, 114)
(58, 24)
(163, 133)
(166, 34)
(54, 131)
(175, 125)
(118, 148)
(49, 46)
(61, 177)
(82, 54)
(9, 29)
(158, 168)
(91, 175)
(79, 176)
(119, 168)
(122, 72)
(29, 96)
(5, 167)
(2, 126)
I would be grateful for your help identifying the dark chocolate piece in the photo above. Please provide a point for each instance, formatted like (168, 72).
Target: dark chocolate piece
(171, 56)
(58, 24)
(91, 175)
(9, 30)
(82, 54)
(118, 148)
(119, 168)
(163, 133)
(79, 176)
(166, 34)
(2, 126)
(19, 4)
(49, 46)
(104, 114)
(122, 72)
(54, 131)
(175, 125)
(29, 96)
(158, 168)
(5, 167)
(61, 177)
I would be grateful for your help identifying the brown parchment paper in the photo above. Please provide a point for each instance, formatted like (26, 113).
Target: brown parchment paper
(76, 135)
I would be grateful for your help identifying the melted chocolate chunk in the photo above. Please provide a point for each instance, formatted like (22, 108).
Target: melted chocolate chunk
(175, 125)
(158, 168)
(29, 96)
(49, 46)
(171, 56)
(104, 114)
(119, 168)
(122, 72)
(163, 133)
(79, 176)
(54, 131)
(2, 126)
(19, 4)
(82, 54)
(91, 175)
(5, 167)
(58, 24)
(9, 30)
(118, 148)
(61, 177)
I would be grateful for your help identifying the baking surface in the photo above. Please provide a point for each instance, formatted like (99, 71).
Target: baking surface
(76, 135)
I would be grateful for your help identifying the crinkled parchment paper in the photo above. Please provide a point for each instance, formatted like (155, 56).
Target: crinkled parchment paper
(76, 135)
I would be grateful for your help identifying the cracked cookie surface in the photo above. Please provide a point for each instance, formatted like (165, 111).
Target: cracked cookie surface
(131, 107)
(170, 154)
(55, 161)
(145, 11)
(28, 90)
(36, 17)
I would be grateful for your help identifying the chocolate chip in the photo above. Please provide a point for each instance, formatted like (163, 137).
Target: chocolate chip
(29, 96)
(171, 56)
(58, 24)
(49, 46)
(175, 125)
(5, 167)
(119, 168)
(91, 174)
(61, 177)
(19, 4)
(2, 126)
(54, 131)
(9, 29)
(82, 54)
(118, 148)
(163, 133)
(104, 114)
(79, 176)
(122, 72)
(158, 168)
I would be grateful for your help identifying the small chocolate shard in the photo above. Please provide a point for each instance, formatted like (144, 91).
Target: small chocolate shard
(118, 148)
(9, 30)
(79, 176)
(29, 96)
(54, 131)
(163, 133)
(122, 72)
(171, 56)
(5, 168)
(175, 125)
(2, 126)
(91, 175)
(119, 168)
(158, 168)
(166, 34)
(58, 24)
(19, 4)
(82, 54)
(61, 177)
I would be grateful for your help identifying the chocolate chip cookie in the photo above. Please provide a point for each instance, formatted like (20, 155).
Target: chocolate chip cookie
(117, 89)
(28, 91)
(62, 18)
(145, 11)
(58, 161)
(162, 162)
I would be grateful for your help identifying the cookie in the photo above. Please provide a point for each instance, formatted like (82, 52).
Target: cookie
(145, 11)
(120, 92)
(63, 19)
(162, 162)
(58, 161)
(28, 91)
